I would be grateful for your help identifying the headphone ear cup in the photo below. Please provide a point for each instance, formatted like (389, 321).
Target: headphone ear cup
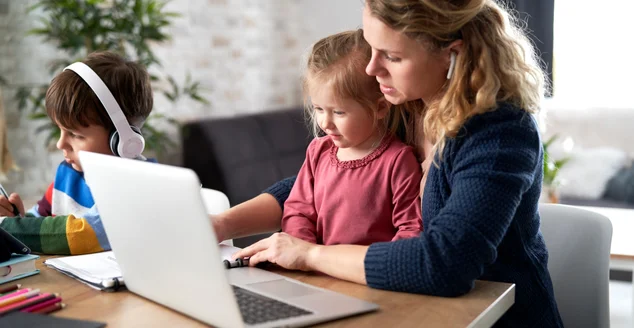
(114, 139)
(137, 130)
(114, 142)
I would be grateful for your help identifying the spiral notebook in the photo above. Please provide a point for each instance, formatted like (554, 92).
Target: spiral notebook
(101, 270)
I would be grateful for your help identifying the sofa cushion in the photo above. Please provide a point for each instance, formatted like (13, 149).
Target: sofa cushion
(241, 156)
(621, 187)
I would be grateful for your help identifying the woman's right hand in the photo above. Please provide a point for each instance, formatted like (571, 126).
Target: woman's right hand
(282, 249)
(6, 207)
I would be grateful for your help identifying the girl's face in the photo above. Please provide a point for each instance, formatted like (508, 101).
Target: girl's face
(348, 123)
(404, 67)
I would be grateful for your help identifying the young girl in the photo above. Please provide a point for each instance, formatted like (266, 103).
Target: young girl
(359, 183)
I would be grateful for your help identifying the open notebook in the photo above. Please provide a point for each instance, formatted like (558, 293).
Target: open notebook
(101, 271)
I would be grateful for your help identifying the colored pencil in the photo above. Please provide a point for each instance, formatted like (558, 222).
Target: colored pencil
(16, 293)
(26, 303)
(9, 288)
(18, 298)
(51, 308)
(42, 304)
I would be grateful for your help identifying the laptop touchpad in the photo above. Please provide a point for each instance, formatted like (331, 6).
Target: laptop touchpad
(282, 288)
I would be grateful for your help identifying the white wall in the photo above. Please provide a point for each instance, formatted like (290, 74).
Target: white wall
(593, 52)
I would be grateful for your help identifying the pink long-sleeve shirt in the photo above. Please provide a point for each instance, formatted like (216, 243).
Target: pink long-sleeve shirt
(360, 202)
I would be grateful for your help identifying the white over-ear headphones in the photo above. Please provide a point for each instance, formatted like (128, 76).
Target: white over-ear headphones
(126, 141)
(452, 64)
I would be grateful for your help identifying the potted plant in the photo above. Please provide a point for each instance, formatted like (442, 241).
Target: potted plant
(551, 181)
(128, 27)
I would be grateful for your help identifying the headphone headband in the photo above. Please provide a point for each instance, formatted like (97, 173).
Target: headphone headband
(130, 143)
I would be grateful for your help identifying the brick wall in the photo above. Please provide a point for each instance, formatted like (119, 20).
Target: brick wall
(246, 53)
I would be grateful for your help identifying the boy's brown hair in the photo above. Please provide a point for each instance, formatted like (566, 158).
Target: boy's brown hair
(71, 103)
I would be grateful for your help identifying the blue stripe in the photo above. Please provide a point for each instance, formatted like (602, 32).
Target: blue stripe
(93, 218)
(72, 183)
(34, 211)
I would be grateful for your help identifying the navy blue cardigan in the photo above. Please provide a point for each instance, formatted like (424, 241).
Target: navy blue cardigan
(480, 221)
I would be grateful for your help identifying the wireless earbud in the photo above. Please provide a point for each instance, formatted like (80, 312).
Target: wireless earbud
(452, 64)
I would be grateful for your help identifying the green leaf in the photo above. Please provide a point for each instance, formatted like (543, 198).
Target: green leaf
(37, 116)
(128, 27)
(550, 141)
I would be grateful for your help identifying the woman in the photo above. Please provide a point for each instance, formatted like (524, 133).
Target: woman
(475, 73)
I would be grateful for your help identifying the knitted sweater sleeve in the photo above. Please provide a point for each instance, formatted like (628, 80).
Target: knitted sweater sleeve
(59, 235)
(281, 189)
(490, 168)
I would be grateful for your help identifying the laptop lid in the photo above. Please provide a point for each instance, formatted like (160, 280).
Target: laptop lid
(159, 238)
(164, 242)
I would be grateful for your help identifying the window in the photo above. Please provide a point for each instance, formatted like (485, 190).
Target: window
(594, 52)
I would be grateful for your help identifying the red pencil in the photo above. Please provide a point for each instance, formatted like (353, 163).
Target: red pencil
(9, 288)
(26, 303)
(51, 308)
(42, 304)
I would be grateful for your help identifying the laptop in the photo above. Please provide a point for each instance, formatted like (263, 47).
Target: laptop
(159, 230)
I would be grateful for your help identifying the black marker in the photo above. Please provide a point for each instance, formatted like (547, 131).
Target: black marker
(236, 264)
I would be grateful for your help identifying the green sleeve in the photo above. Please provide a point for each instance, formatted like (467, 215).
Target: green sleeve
(41, 234)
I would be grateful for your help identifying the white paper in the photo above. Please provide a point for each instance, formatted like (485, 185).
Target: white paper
(226, 251)
(99, 267)
(91, 267)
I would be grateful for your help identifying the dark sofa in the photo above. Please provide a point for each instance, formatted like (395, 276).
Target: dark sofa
(241, 156)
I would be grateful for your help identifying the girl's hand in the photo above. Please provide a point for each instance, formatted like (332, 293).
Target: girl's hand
(282, 249)
(6, 207)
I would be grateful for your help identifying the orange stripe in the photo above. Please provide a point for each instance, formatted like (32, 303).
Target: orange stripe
(82, 239)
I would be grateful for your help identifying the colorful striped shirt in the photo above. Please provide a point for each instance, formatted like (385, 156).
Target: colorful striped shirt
(65, 221)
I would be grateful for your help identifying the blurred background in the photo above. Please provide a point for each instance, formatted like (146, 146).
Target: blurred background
(213, 59)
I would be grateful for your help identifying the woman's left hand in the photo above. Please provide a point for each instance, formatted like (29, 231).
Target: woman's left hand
(282, 249)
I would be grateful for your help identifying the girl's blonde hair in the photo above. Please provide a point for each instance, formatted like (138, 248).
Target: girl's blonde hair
(497, 62)
(339, 61)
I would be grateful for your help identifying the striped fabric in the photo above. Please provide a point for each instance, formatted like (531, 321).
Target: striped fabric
(65, 221)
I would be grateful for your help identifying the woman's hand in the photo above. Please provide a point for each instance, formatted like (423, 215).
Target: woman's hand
(6, 207)
(282, 249)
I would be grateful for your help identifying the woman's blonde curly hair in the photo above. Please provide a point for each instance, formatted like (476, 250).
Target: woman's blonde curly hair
(497, 62)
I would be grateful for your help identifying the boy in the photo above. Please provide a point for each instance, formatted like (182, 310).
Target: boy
(65, 221)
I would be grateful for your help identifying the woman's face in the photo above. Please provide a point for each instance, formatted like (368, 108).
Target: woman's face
(405, 68)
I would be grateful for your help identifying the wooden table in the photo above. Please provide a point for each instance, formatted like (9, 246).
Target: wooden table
(479, 308)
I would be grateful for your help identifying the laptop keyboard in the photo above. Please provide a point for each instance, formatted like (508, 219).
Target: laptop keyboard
(256, 308)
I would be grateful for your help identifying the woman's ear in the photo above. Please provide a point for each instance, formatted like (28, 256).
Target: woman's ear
(450, 54)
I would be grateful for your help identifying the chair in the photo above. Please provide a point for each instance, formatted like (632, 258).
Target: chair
(578, 243)
(216, 202)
